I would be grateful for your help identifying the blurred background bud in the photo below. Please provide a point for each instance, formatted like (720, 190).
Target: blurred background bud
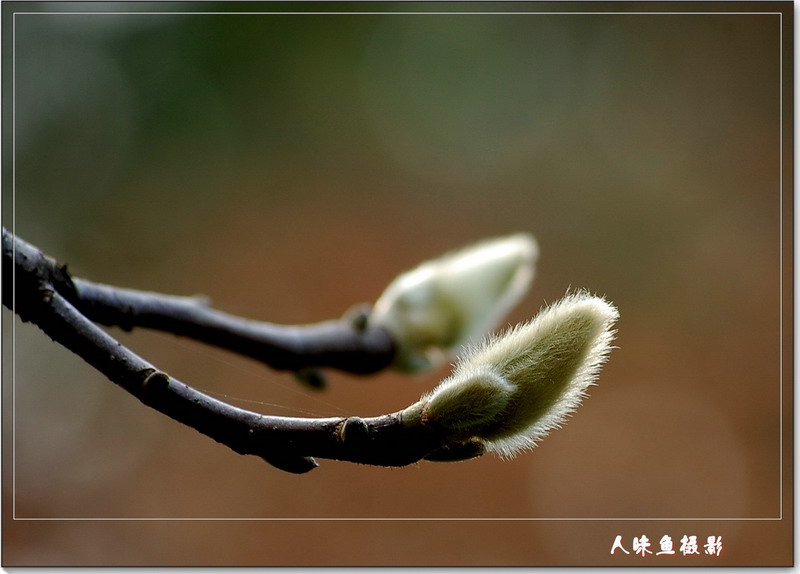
(447, 302)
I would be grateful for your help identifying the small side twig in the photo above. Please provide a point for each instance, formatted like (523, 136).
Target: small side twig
(346, 344)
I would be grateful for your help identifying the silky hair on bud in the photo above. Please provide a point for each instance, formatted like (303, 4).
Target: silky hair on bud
(469, 402)
(538, 370)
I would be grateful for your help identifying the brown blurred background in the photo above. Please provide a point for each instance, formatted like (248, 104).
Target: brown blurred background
(289, 166)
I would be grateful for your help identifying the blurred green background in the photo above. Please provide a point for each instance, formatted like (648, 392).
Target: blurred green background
(291, 165)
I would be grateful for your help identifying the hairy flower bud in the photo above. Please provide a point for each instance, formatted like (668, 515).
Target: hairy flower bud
(510, 391)
(445, 303)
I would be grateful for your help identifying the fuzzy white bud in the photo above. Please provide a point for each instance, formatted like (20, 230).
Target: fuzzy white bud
(510, 391)
(446, 303)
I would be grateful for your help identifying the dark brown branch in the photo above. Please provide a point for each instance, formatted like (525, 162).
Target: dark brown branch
(286, 442)
(346, 344)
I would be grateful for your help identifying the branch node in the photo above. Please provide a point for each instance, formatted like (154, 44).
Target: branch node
(46, 294)
(353, 429)
(293, 464)
(156, 380)
(358, 316)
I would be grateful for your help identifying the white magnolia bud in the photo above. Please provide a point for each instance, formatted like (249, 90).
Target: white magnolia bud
(510, 391)
(446, 303)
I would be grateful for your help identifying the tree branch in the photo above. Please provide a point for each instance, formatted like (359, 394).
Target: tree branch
(348, 344)
(503, 395)
(286, 442)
